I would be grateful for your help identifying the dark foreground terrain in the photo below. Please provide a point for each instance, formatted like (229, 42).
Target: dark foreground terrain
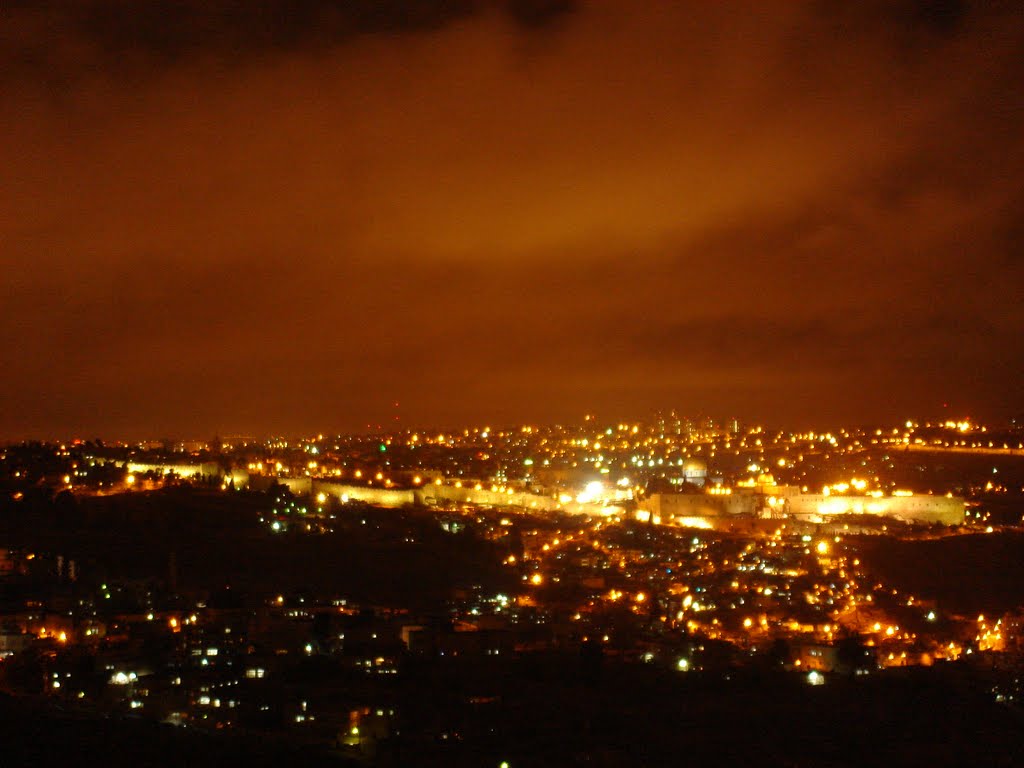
(619, 720)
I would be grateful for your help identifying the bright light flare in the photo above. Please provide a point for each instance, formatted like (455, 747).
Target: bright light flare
(593, 491)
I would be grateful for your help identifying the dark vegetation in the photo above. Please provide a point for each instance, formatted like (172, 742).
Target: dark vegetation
(964, 574)
(206, 540)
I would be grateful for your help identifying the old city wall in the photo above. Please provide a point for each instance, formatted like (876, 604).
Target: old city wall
(433, 495)
(922, 508)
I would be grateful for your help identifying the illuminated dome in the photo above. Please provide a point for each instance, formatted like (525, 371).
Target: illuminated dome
(695, 471)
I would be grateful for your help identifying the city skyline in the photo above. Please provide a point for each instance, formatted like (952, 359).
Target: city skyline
(276, 219)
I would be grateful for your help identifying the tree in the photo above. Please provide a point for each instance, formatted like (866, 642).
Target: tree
(852, 654)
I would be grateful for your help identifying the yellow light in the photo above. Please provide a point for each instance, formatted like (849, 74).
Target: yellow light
(130, 480)
(822, 547)
(640, 597)
(321, 497)
(748, 622)
(63, 637)
(536, 579)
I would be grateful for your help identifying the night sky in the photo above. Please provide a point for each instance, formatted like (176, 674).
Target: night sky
(265, 217)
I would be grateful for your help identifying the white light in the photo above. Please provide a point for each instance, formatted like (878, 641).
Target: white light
(592, 492)
(815, 678)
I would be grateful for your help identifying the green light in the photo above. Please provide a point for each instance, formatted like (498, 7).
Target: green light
(383, 447)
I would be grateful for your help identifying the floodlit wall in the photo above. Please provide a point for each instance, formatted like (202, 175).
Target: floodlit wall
(239, 477)
(440, 494)
(920, 509)
(432, 495)
(670, 505)
(181, 470)
(384, 497)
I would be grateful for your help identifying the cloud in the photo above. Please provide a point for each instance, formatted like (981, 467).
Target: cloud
(295, 218)
(59, 41)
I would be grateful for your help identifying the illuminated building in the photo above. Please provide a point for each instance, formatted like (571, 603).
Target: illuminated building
(783, 501)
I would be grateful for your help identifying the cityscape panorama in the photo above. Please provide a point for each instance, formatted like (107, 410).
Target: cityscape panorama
(511, 383)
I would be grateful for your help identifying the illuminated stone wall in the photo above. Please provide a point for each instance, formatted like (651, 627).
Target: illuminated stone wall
(384, 497)
(918, 508)
(181, 470)
(440, 494)
(239, 477)
(431, 495)
(921, 509)
(671, 505)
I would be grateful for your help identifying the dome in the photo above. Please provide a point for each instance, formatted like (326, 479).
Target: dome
(695, 466)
